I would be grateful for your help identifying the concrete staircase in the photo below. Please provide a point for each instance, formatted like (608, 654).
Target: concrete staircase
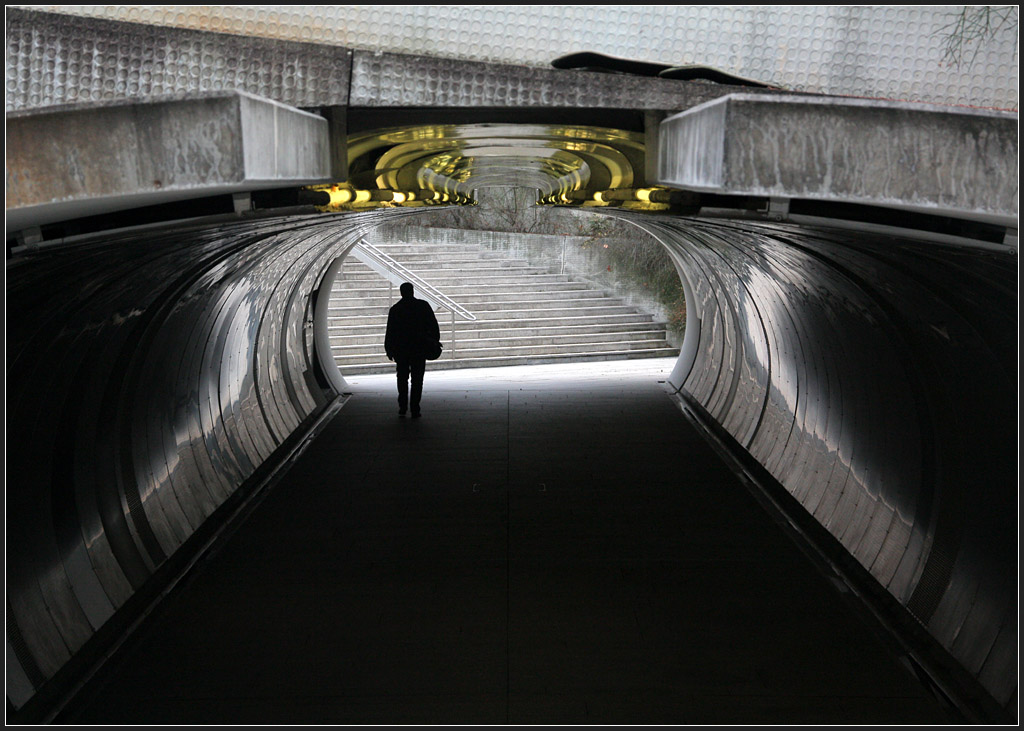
(525, 314)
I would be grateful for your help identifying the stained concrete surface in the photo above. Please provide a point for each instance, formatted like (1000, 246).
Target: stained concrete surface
(93, 158)
(547, 545)
(953, 160)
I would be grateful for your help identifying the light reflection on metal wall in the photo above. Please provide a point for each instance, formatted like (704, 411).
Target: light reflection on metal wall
(149, 376)
(872, 378)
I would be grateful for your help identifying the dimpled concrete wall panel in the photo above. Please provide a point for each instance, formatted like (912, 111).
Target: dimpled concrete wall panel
(61, 59)
(895, 52)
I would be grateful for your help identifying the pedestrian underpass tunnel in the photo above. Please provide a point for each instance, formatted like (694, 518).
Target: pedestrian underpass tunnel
(850, 340)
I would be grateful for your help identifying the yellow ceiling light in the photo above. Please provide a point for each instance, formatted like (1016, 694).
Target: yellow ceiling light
(340, 196)
(566, 164)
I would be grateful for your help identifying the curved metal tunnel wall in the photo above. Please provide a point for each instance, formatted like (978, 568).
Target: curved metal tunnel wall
(873, 379)
(150, 376)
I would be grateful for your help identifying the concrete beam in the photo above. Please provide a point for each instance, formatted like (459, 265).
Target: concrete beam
(941, 160)
(73, 161)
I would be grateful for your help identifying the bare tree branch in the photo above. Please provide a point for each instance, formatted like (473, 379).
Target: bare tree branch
(972, 27)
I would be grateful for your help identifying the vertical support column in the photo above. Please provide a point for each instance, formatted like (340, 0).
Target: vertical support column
(337, 132)
(453, 333)
(652, 125)
(29, 236)
(242, 202)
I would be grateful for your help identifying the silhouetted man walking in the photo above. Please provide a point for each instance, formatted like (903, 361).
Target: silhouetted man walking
(412, 326)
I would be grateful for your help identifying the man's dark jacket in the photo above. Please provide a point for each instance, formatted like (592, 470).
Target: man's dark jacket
(411, 323)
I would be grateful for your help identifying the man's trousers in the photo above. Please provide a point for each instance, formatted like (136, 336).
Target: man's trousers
(413, 367)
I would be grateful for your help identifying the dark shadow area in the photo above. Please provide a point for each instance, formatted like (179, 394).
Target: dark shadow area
(565, 549)
(362, 119)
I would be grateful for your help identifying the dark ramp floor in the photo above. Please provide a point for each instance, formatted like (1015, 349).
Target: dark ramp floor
(544, 546)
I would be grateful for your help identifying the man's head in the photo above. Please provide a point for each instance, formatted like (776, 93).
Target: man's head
(406, 290)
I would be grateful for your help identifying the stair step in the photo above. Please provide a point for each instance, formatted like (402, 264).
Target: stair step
(445, 363)
(561, 321)
(375, 333)
(343, 359)
(350, 345)
(364, 307)
(474, 349)
(472, 294)
(400, 247)
(454, 261)
(509, 315)
(477, 277)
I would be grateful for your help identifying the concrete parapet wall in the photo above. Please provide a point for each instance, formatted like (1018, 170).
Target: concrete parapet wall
(929, 159)
(66, 161)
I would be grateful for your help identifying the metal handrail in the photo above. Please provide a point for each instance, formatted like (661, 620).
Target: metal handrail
(397, 274)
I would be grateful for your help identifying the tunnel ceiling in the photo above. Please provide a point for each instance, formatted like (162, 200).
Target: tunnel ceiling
(565, 164)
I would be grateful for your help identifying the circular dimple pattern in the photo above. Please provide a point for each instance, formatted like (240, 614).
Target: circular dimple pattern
(876, 51)
(52, 64)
